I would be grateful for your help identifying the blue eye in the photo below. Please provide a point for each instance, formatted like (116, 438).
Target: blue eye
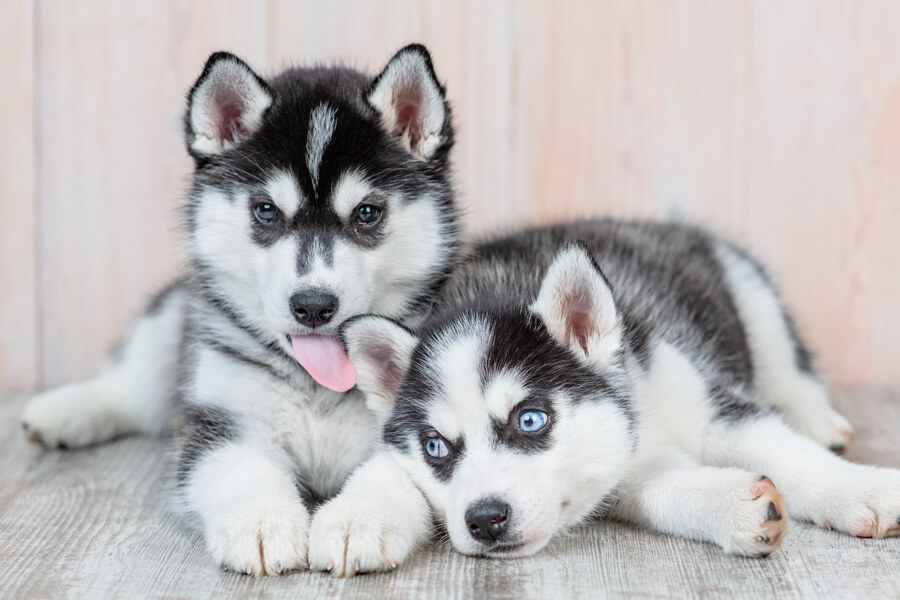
(368, 215)
(265, 213)
(532, 420)
(436, 448)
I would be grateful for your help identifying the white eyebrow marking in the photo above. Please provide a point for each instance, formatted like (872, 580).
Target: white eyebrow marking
(349, 191)
(503, 392)
(321, 127)
(284, 192)
(457, 367)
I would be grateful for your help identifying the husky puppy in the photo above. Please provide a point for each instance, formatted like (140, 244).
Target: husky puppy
(645, 372)
(318, 195)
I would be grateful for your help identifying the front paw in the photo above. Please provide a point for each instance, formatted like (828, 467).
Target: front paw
(265, 539)
(864, 503)
(349, 537)
(758, 519)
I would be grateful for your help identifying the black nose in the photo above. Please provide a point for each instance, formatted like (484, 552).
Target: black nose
(487, 519)
(313, 308)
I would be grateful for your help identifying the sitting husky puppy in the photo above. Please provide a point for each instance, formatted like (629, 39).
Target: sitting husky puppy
(318, 195)
(657, 388)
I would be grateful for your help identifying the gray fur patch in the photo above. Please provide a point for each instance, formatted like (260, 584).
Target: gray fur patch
(203, 428)
(666, 280)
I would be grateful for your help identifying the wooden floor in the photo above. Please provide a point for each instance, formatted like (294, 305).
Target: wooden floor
(96, 524)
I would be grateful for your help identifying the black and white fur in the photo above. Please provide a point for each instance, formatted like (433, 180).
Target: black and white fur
(672, 381)
(283, 167)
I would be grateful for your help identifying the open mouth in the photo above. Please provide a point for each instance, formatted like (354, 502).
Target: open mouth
(326, 361)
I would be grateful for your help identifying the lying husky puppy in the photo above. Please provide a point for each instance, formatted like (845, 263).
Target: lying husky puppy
(318, 195)
(658, 388)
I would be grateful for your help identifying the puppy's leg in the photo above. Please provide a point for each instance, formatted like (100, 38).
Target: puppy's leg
(740, 511)
(804, 401)
(250, 510)
(784, 372)
(376, 521)
(820, 487)
(134, 394)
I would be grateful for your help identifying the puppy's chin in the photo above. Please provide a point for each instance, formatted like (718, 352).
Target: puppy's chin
(513, 549)
(519, 550)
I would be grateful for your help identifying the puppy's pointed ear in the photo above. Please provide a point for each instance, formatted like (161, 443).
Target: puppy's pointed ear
(411, 102)
(577, 306)
(225, 106)
(381, 351)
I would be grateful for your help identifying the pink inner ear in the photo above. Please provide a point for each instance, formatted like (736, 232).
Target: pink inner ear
(408, 108)
(391, 377)
(581, 323)
(229, 111)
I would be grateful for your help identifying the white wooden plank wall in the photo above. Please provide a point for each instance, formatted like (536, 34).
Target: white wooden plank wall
(776, 123)
(18, 198)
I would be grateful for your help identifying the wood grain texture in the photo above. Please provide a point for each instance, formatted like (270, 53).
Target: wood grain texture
(777, 124)
(823, 174)
(97, 524)
(18, 205)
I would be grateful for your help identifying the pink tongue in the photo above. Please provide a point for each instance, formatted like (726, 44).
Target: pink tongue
(324, 358)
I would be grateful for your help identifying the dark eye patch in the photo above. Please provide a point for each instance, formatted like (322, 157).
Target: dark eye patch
(509, 434)
(366, 223)
(267, 222)
(442, 467)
